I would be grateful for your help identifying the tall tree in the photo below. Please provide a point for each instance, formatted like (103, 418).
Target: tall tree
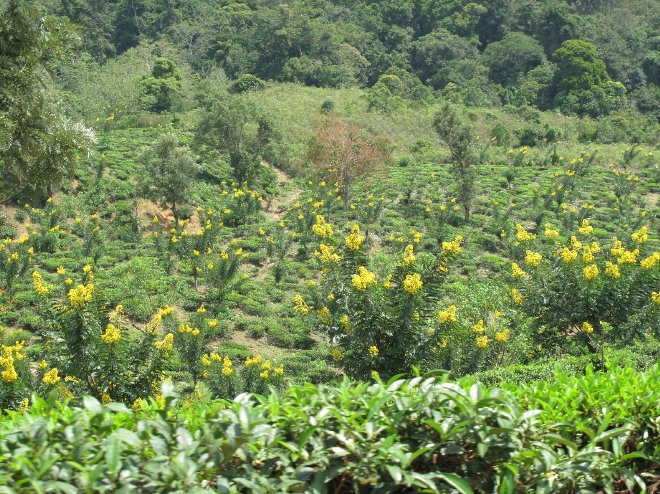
(459, 137)
(343, 152)
(170, 170)
(38, 144)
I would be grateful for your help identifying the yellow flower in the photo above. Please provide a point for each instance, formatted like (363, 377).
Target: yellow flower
(517, 272)
(453, 247)
(299, 304)
(51, 377)
(263, 374)
(227, 367)
(363, 279)
(354, 240)
(9, 375)
(212, 323)
(324, 315)
(321, 228)
(650, 261)
(516, 296)
(587, 328)
(590, 272)
(447, 316)
(201, 309)
(503, 335)
(413, 283)
(551, 232)
(112, 335)
(568, 255)
(628, 257)
(612, 270)
(523, 235)
(40, 287)
(346, 322)
(336, 354)
(655, 297)
(68, 281)
(586, 228)
(617, 250)
(81, 295)
(533, 258)
(640, 236)
(373, 351)
(43, 364)
(327, 253)
(408, 255)
(479, 328)
(61, 270)
(165, 345)
(279, 370)
(482, 341)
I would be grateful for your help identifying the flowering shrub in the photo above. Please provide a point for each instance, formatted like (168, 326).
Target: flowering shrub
(226, 380)
(576, 290)
(377, 323)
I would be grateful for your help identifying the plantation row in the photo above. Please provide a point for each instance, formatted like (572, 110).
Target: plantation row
(594, 432)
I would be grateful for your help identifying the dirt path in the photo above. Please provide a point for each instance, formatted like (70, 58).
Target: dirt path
(287, 194)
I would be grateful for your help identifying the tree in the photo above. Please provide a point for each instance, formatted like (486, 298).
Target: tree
(161, 87)
(582, 78)
(343, 152)
(236, 126)
(38, 144)
(459, 137)
(513, 57)
(170, 168)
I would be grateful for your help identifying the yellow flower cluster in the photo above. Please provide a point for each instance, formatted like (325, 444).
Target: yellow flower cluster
(448, 316)
(81, 295)
(373, 351)
(346, 322)
(324, 315)
(523, 235)
(413, 283)
(503, 336)
(363, 279)
(111, 335)
(227, 367)
(354, 240)
(655, 297)
(408, 255)
(517, 272)
(157, 319)
(165, 345)
(533, 258)
(612, 270)
(40, 287)
(479, 328)
(617, 249)
(299, 304)
(568, 255)
(482, 341)
(187, 329)
(586, 228)
(628, 257)
(453, 247)
(51, 377)
(590, 272)
(551, 232)
(650, 261)
(587, 328)
(640, 236)
(8, 355)
(516, 296)
(322, 228)
(327, 253)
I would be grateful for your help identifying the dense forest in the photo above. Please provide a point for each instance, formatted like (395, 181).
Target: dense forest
(329, 246)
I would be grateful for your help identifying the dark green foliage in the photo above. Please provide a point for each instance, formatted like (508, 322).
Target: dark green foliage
(162, 87)
(512, 57)
(246, 82)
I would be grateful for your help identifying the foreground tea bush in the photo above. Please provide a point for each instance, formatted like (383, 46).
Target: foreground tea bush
(422, 435)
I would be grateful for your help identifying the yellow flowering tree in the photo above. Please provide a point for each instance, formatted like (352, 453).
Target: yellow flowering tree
(567, 285)
(92, 349)
(376, 320)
